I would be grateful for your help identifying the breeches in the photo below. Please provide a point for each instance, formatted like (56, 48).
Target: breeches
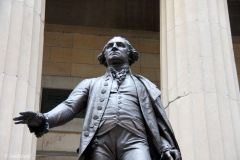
(119, 144)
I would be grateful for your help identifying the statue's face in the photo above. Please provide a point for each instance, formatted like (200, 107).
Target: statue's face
(116, 51)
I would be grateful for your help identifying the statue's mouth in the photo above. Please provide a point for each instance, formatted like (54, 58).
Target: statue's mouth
(115, 53)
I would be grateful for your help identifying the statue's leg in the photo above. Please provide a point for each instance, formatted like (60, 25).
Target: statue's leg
(137, 151)
(101, 148)
(99, 156)
(131, 147)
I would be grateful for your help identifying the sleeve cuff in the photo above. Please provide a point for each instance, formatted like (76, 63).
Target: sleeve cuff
(41, 130)
(165, 150)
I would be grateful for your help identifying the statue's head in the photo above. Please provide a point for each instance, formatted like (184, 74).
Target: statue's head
(118, 50)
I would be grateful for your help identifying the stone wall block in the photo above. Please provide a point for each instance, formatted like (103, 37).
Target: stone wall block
(57, 141)
(61, 54)
(86, 56)
(63, 69)
(150, 73)
(149, 60)
(47, 54)
(56, 39)
(87, 71)
(145, 45)
(89, 41)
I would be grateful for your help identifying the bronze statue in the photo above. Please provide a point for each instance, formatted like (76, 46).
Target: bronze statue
(125, 119)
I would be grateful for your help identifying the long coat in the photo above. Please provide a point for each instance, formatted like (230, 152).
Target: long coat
(94, 93)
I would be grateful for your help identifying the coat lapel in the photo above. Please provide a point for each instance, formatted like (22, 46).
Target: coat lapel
(147, 111)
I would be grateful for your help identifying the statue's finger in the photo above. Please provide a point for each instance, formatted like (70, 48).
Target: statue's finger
(168, 156)
(21, 122)
(27, 113)
(179, 156)
(19, 118)
(176, 154)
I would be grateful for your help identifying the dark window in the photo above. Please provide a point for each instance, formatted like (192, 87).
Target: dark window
(52, 97)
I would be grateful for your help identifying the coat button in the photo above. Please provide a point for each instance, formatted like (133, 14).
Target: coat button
(101, 99)
(149, 111)
(86, 133)
(103, 91)
(105, 84)
(91, 125)
(95, 117)
(99, 107)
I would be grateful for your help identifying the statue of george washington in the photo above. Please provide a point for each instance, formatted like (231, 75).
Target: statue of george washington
(125, 119)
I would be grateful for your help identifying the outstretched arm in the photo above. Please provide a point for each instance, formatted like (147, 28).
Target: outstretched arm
(66, 111)
(40, 123)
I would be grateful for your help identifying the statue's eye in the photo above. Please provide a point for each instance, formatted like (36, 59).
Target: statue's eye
(109, 45)
(120, 44)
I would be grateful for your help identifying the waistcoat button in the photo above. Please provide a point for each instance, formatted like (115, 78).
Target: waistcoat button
(95, 117)
(86, 133)
(99, 107)
(91, 125)
(103, 91)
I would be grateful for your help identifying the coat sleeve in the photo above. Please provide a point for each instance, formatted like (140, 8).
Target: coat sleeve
(66, 110)
(165, 127)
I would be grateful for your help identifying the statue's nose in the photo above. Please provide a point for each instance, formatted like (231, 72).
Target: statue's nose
(114, 48)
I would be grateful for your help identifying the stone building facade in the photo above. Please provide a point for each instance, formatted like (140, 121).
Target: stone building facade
(190, 52)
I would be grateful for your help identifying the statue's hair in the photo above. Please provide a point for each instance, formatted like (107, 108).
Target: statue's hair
(132, 56)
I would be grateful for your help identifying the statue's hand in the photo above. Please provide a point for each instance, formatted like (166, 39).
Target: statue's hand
(32, 119)
(172, 154)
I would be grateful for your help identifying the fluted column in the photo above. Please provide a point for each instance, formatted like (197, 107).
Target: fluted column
(199, 79)
(21, 43)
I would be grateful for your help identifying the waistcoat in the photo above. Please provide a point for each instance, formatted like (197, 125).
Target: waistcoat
(123, 109)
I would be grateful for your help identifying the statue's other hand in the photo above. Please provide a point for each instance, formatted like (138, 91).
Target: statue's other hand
(32, 119)
(172, 154)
